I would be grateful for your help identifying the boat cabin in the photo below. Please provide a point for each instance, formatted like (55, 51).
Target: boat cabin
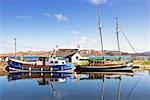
(50, 61)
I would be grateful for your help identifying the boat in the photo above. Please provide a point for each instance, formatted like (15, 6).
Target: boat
(42, 64)
(102, 63)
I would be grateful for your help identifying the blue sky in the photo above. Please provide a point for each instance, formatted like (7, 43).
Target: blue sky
(41, 24)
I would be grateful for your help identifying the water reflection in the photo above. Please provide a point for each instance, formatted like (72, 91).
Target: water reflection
(53, 78)
(107, 75)
(76, 86)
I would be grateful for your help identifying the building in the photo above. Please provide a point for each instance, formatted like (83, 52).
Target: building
(71, 55)
(3, 58)
(144, 58)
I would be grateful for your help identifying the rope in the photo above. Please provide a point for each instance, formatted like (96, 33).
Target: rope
(127, 40)
(133, 88)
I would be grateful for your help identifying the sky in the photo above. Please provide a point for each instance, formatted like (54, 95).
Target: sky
(40, 25)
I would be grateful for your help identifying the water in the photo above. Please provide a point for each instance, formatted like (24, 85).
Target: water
(77, 86)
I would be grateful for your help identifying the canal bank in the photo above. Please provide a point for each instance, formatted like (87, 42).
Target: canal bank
(3, 71)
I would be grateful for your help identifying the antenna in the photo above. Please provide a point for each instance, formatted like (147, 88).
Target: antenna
(117, 33)
(100, 31)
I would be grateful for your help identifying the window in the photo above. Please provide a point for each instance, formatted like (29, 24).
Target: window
(51, 61)
(56, 62)
(40, 59)
(47, 59)
(77, 57)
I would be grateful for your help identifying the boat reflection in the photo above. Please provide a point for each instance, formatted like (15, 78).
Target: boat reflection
(103, 76)
(42, 78)
(52, 78)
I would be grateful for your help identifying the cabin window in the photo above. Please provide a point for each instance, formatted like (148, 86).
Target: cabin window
(47, 59)
(56, 62)
(40, 59)
(62, 62)
(77, 57)
(51, 61)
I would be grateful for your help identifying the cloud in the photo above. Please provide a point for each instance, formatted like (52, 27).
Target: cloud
(27, 18)
(60, 17)
(75, 32)
(87, 42)
(97, 2)
(83, 40)
(47, 14)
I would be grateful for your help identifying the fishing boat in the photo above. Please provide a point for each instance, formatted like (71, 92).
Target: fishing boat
(103, 64)
(42, 64)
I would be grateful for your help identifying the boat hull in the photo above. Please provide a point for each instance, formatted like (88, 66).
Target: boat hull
(105, 68)
(17, 66)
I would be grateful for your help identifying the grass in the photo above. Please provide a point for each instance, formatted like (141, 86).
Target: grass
(146, 63)
(139, 62)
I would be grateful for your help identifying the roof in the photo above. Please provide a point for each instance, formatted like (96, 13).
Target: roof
(66, 52)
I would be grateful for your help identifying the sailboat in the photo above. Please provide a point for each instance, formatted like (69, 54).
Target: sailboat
(103, 64)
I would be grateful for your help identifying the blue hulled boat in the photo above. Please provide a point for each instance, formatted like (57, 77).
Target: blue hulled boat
(42, 64)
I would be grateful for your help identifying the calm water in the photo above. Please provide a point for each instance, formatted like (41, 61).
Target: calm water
(83, 86)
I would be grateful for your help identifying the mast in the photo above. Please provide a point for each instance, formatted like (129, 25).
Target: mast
(56, 50)
(15, 48)
(102, 89)
(118, 90)
(100, 31)
(117, 33)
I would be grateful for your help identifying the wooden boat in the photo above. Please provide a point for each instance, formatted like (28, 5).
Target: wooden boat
(103, 64)
(43, 64)
(96, 64)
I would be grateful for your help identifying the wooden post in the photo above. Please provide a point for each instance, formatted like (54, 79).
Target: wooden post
(41, 74)
(41, 69)
(30, 74)
(51, 69)
(30, 69)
